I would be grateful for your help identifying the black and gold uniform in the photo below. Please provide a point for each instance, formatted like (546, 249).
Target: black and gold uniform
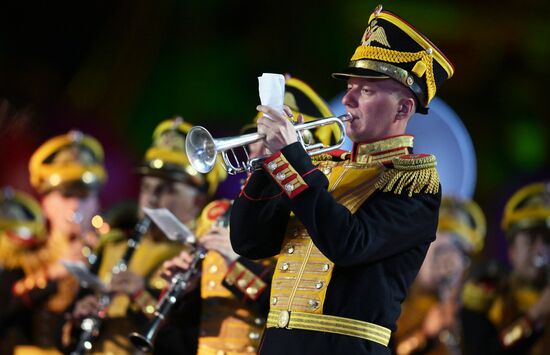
(507, 312)
(352, 229)
(235, 296)
(429, 321)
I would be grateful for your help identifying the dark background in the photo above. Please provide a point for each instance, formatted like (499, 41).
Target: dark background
(115, 68)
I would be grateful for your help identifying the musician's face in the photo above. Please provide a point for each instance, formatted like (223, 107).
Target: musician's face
(70, 213)
(444, 264)
(377, 107)
(183, 200)
(529, 252)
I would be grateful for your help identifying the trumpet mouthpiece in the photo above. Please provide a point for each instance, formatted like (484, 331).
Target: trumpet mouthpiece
(346, 117)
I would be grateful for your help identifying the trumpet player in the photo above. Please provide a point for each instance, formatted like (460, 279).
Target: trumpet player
(509, 312)
(167, 181)
(351, 229)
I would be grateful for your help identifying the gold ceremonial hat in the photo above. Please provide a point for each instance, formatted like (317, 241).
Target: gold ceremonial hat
(465, 219)
(167, 159)
(72, 162)
(529, 207)
(21, 221)
(392, 48)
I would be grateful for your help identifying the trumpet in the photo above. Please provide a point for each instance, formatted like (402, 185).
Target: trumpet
(178, 284)
(202, 149)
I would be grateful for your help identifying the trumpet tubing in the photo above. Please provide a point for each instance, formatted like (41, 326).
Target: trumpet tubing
(202, 149)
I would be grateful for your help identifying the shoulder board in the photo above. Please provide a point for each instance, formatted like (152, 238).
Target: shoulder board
(412, 172)
(210, 214)
(333, 155)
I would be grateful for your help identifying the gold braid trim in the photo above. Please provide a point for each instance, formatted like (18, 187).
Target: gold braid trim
(391, 56)
(414, 172)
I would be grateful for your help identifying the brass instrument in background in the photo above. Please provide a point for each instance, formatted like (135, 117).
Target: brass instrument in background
(202, 149)
(90, 326)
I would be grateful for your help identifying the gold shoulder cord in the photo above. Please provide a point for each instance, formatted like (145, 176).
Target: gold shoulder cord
(413, 173)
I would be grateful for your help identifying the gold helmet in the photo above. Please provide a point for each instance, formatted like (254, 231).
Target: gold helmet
(167, 159)
(22, 225)
(465, 219)
(529, 207)
(303, 100)
(69, 161)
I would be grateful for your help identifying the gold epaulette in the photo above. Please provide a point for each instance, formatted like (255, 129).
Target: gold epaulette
(413, 172)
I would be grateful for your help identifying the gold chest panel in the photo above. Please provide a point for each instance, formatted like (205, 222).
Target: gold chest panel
(303, 273)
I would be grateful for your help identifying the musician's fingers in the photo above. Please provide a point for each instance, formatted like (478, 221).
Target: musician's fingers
(300, 119)
(288, 111)
(272, 114)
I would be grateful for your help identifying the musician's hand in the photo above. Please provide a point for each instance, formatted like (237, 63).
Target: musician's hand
(177, 264)
(541, 309)
(57, 271)
(217, 238)
(86, 307)
(127, 282)
(277, 128)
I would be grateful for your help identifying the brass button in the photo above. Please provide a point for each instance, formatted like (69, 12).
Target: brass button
(259, 321)
(285, 266)
(250, 349)
(254, 335)
(327, 171)
(319, 285)
(213, 269)
(272, 166)
(290, 249)
(313, 304)
(211, 284)
(251, 290)
(325, 267)
(284, 318)
(220, 352)
(289, 187)
(242, 283)
(280, 176)
(274, 300)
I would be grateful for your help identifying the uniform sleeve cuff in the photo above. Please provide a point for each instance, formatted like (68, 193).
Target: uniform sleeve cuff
(259, 187)
(288, 167)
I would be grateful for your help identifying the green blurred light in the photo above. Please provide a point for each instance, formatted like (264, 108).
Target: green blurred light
(528, 147)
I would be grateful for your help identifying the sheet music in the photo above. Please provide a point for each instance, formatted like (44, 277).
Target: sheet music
(170, 225)
(271, 88)
(84, 276)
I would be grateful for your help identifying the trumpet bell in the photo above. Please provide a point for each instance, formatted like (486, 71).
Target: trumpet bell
(201, 149)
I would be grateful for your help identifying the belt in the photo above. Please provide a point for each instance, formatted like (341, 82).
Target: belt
(328, 323)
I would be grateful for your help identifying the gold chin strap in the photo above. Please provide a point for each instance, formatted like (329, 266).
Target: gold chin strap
(331, 324)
